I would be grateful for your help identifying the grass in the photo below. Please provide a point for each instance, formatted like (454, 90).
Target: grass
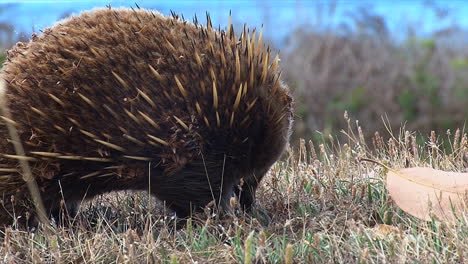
(419, 80)
(320, 204)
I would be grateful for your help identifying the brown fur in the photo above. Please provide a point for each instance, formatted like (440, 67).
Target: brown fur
(84, 93)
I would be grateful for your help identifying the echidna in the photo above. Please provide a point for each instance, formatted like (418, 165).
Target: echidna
(123, 99)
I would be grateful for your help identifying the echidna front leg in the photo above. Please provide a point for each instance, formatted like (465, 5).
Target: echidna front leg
(194, 197)
(245, 191)
(193, 188)
(246, 196)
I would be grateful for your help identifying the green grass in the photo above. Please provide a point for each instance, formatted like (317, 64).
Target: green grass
(318, 205)
(2, 59)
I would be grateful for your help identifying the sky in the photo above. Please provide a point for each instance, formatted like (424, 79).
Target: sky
(278, 17)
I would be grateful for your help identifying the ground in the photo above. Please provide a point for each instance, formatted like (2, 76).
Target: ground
(319, 204)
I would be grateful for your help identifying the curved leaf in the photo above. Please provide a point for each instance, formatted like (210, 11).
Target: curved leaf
(423, 192)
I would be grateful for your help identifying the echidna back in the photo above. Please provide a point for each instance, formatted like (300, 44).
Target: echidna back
(111, 97)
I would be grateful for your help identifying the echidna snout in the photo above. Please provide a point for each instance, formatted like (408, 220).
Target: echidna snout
(119, 99)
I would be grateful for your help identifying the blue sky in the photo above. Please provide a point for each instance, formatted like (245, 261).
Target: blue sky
(278, 16)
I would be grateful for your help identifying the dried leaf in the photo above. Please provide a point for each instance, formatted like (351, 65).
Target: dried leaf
(423, 192)
(381, 231)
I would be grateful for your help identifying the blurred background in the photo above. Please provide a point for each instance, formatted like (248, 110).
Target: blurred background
(404, 61)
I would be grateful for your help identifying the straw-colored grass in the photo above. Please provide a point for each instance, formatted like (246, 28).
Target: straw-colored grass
(320, 204)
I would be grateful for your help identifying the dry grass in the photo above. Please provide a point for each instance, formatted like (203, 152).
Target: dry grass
(421, 81)
(318, 205)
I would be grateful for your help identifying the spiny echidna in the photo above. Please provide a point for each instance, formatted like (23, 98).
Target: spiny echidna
(124, 99)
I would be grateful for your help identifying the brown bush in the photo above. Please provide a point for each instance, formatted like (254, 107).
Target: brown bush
(420, 82)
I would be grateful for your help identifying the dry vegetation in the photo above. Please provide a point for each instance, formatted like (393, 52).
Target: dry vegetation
(319, 205)
(417, 80)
